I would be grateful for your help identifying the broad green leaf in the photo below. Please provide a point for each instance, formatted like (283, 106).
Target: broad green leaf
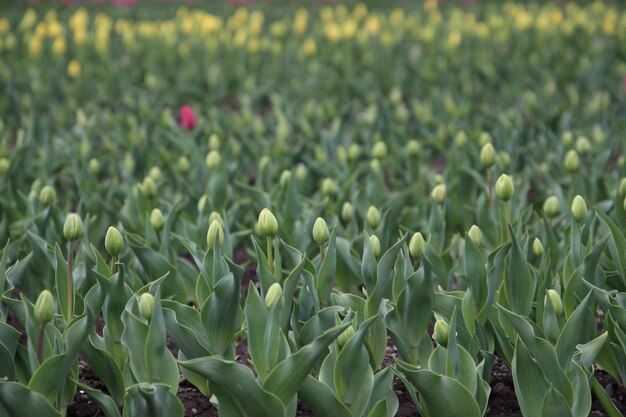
(106, 403)
(520, 282)
(576, 330)
(475, 271)
(221, 314)
(102, 364)
(320, 398)
(17, 400)
(154, 400)
(555, 405)
(328, 268)
(530, 383)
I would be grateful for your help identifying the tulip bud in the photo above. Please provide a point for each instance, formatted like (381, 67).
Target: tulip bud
(267, 223)
(213, 159)
(413, 148)
(379, 151)
(567, 138)
(148, 187)
(285, 177)
(484, 138)
(73, 227)
(572, 162)
(555, 299)
(215, 232)
(328, 187)
(320, 231)
(155, 173)
(215, 216)
(375, 166)
(113, 241)
(460, 139)
(47, 196)
(551, 206)
(579, 208)
(202, 203)
(504, 187)
(622, 187)
(476, 235)
(417, 245)
(583, 146)
(274, 293)
(44, 307)
(375, 244)
(347, 211)
(440, 332)
(214, 142)
(373, 217)
(354, 151)
(5, 165)
(93, 166)
(183, 164)
(487, 156)
(301, 172)
(537, 247)
(156, 219)
(345, 336)
(438, 193)
(146, 305)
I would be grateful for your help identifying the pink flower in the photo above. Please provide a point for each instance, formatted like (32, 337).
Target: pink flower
(187, 118)
(624, 84)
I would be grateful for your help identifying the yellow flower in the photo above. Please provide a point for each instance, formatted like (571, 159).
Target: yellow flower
(73, 69)
(309, 47)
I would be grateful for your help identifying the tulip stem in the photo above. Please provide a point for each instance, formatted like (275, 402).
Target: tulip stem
(40, 342)
(321, 253)
(70, 282)
(270, 258)
(507, 217)
(489, 189)
(113, 265)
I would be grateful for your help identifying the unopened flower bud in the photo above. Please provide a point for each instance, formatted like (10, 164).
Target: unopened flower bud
(504, 187)
(285, 177)
(484, 138)
(460, 139)
(551, 206)
(583, 146)
(5, 165)
(354, 151)
(537, 247)
(214, 142)
(328, 187)
(183, 164)
(274, 293)
(93, 166)
(113, 241)
(148, 187)
(155, 173)
(487, 156)
(476, 235)
(572, 162)
(373, 217)
(320, 231)
(579, 208)
(567, 138)
(440, 332)
(215, 216)
(438, 193)
(215, 232)
(47, 196)
(379, 150)
(267, 223)
(375, 244)
(156, 219)
(413, 148)
(555, 299)
(417, 245)
(622, 187)
(73, 227)
(301, 172)
(213, 159)
(347, 211)
(345, 336)
(202, 203)
(146, 305)
(44, 307)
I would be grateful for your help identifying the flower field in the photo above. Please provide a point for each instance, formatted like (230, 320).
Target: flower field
(348, 210)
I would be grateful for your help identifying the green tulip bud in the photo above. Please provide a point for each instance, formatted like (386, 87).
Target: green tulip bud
(93, 166)
(183, 164)
(579, 208)
(215, 216)
(301, 172)
(555, 299)
(438, 194)
(347, 211)
(460, 139)
(146, 305)
(328, 187)
(417, 245)
(373, 217)
(5, 165)
(215, 232)
(343, 338)
(44, 307)
(155, 173)
(484, 138)
(354, 152)
(504, 187)
(264, 162)
(375, 244)
(202, 203)
(413, 148)
(148, 187)
(537, 247)
(213, 160)
(129, 163)
(113, 241)
(622, 187)
(156, 219)
(342, 154)
(487, 156)
(572, 162)
(476, 235)
(320, 231)
(503, 158)
(73, 227)
(551, 206)
(597, 134)
(47, 196)
(214, 142)
(583, 146)
(567, 138)
(274, 293)
(267, 223)
(375, 166)
(379, 151)
(285, 177)
(440, 332)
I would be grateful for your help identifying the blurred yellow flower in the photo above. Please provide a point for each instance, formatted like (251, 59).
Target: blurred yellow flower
(73, 69)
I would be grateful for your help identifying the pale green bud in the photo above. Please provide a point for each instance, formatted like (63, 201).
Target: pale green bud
(285, 177)
(413, 148)
(215, 232)
(129, 163)
(460, 139)
(504, 187)
(537, 247)
(417, 245)
(301, 172)
(329, 187)
(214, 142)
(73, 227)
(267, 223)
(622, 187)
(148, 187)
(487, 156)
(484, 138)
(347, 211)
(202, 203)
(155, 173)
(274, 293)
(551, 206)
(503, 158)
(555, 299)
(156, 219)
(44, 307)
(373, 217)
(597, 134)
(215, 216)
(379, 151)
(345, 336)
(183, 164)
(146, 305)
(264, 162)
(375, 166)
(354, 152)
(572, 162)
(583, 146)
(375, 244)
(113, 241)
(320, 231)
(567, 138)
(440, 332)
(93, 166)
(213, 159)
(47, 196)
(5, 165)
(579, 208)
(476, 235)
(438, 193)
(342, 154)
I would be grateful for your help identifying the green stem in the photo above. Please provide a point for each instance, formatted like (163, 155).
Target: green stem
(113, 265)
(489, 188)
(40, 343)
(321, 253)
(70, 282)
(507, 217)
(270, 258)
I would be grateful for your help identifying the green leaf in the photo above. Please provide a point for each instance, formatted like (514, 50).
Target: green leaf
(61, 282)
(520, 282)
(154, 400)
(106, 403)
(221, 314)
(579, 325)
(321, 399)
(326, 274)
(530, 383)
(160, 363)
(555, 405)
(475, 271)
(16, 400)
